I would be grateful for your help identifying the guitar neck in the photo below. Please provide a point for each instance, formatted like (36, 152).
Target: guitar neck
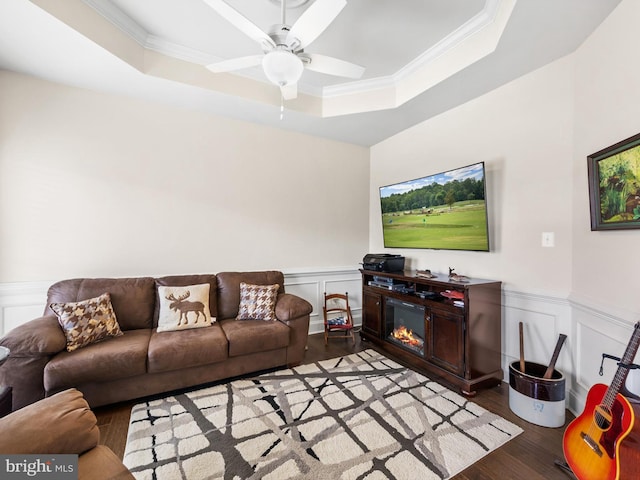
(623, 369)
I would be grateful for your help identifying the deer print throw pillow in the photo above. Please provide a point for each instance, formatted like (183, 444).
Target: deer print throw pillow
(182, 308)
(257, 302)
(87, 322)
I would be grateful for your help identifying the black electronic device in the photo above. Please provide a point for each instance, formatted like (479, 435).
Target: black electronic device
(426, 294)
(383, 262)
(379, 279)
(395, 287)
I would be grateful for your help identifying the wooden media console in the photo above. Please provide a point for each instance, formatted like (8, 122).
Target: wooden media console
(448, 329)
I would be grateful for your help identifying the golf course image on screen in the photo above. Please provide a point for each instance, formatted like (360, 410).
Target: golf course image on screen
(443, 211)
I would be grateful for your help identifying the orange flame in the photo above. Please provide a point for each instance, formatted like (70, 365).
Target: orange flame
(405, 335)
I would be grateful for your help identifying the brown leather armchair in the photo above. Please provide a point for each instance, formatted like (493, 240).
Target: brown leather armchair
(62, 424)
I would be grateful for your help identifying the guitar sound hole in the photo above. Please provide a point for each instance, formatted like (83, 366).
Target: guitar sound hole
(602, 417)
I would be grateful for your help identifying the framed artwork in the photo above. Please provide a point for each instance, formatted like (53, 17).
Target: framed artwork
(614, 186)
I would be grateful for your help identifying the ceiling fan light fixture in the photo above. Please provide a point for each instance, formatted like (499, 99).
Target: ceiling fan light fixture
(282, 67)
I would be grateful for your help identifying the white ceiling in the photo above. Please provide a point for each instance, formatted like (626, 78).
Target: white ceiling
(422, 57)
(375, 34)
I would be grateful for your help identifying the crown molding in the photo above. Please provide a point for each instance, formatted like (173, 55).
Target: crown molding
(157, 44)
(477, 23)
(175, 50)
(118, 18)
(472, 41)
(481, 20)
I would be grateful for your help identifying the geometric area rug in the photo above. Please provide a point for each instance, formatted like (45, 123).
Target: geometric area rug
(361, 416)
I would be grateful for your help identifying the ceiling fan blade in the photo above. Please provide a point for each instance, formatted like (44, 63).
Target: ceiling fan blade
(289, 92)
(235, 64)
(241, 22)
(333, 66)
(315, 20)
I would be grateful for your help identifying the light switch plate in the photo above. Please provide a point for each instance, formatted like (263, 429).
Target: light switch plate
(548, 239)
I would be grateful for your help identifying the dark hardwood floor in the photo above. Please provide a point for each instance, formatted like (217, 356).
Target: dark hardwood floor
(529, 456)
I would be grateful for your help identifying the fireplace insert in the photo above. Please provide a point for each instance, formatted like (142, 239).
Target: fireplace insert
(405, 325)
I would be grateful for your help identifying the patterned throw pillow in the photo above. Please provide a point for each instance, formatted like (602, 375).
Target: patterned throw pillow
(178, 313)
(257, 302)
(88, 321)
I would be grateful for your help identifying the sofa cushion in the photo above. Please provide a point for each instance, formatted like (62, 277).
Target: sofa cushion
(133, 299)
(88, 321)
(189, 348)
(121, 357)
(257, 302)
(183, 308)
(252, 336)
(229, 288)
(184, 280)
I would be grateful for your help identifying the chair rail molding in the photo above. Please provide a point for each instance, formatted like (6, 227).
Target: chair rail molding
(21, 302)
(311, 284)
(544, 318)
(24, 301)
(592, 327)
(599, 328)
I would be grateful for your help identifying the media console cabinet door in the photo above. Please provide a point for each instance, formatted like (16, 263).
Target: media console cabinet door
(371, 320)
(446, 341)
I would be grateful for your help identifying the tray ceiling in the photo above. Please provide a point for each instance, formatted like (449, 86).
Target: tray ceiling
(422, 57)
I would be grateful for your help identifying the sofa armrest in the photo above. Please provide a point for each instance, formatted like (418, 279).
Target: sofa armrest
(60, 424)
(290, 307)
(41, 337)
(294, 312)
(32, 345)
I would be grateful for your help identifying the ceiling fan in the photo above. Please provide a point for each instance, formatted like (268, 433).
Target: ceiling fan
(284, 58)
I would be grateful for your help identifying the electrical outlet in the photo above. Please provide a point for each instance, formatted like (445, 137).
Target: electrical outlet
(548, 239)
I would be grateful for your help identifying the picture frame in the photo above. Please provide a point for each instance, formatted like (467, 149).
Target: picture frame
(614, 186)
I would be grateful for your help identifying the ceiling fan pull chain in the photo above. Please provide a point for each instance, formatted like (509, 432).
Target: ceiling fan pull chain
(281, 106)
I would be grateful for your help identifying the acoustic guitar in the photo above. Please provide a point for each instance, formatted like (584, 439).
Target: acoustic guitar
(592, 442)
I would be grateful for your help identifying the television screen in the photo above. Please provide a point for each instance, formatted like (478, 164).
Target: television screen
(445, 211)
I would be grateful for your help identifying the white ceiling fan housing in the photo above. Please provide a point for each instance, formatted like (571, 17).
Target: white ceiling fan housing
(284, 58)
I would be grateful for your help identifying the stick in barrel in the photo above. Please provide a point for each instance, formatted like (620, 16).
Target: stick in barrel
(521, 347)
(554, 357)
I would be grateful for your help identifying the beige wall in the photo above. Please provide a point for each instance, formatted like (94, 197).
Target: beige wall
(523, 133)
(94, 184)
(534, 135)
(102, 185)
(607, 110)
(605, 265)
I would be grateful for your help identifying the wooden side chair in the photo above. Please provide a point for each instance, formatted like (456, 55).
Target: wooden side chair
(338, 321)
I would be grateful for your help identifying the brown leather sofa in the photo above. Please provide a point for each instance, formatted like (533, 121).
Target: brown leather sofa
(62, 424)
(143, 361)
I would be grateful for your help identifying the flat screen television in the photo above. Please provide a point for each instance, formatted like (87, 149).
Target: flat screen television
(446, 211)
